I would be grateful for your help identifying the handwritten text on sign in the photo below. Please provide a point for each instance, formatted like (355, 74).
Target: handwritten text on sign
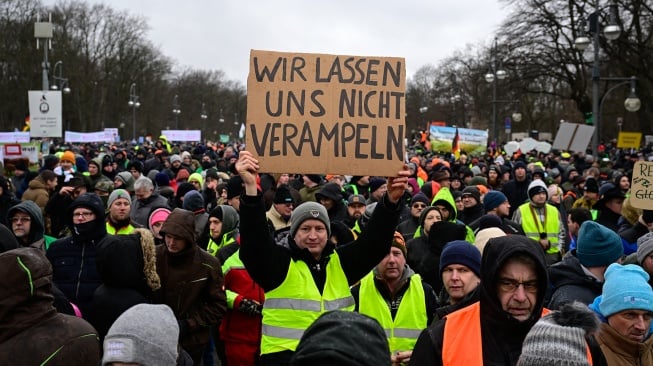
(317, 113)
(641, 192)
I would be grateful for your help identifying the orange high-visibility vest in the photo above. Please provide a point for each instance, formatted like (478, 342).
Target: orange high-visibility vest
(462, 343)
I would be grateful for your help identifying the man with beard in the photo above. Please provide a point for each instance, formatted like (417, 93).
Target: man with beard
(118, 221)
(355, 210)
(73, 257)
(492, 330)
(397, 297)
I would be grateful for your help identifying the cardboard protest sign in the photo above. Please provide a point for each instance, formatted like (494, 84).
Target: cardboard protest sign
(573, 137)
(628, 140)
(319, 113)
(641, 191)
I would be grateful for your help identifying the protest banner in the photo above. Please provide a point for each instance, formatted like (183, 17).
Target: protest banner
(319, 113)
(14, 137)
(182, 135)
(85, 137)
(641, 191)
(470, 140)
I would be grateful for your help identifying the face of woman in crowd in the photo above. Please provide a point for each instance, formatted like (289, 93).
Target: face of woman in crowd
(432, 217)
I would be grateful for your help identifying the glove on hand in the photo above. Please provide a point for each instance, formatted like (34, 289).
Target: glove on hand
(250, 307)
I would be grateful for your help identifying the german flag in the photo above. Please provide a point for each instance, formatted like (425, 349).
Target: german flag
(455, 145)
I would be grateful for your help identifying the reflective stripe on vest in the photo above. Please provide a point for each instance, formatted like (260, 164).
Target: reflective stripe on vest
(532, 230)
(293, 306)
(462, 342)
(410, 320)
(122, 231)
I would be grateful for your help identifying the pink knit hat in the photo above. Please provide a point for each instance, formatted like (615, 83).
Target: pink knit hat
(158, 215)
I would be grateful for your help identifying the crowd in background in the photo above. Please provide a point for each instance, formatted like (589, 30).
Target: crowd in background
(119, 244)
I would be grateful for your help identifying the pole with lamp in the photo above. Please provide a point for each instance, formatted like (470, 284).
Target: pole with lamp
(631, 104)
(204, 116)
(611, 32)
(59, 82)
(494, 74)
(176, 110)
(133, 103)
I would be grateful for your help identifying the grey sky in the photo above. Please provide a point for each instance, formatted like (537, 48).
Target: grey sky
(209, 34)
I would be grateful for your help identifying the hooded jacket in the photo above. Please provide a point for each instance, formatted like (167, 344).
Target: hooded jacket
(31, 330)
(570, 283)
(35, 238)
(73, 257)
(37, 192)
(501, 334)
(191, 284)
(127, 266)
(424, 252)
(445, 197)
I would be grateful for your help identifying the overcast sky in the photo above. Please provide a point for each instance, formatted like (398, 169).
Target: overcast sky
(218, 35)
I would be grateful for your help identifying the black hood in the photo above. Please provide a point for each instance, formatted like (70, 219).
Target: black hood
(495, 254)
(37, 228)
(7, 239)
(92, 230)
(343, 338)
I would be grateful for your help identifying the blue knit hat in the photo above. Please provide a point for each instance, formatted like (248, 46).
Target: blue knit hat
(626, 287)
(493, 199)
(461, 252)
(597, 245)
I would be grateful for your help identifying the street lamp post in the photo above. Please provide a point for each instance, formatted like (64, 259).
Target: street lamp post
(611, 32)
(134, 103)
(204, 116)
(60, 82)
(631, 104)
(175, 110)
(494, 74)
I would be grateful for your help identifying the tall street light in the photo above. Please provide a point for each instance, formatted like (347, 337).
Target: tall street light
(494, 74)
(204, 116)
(611, 31)
(134, 103)
(175, 110)
(60, 82)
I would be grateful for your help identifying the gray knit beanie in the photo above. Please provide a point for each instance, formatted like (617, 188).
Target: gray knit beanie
(144, 334)
(644, 247)
(559, 337)
(118, 193)
(306, 211)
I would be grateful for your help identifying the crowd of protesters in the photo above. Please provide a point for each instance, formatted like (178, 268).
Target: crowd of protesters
(191, 254)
